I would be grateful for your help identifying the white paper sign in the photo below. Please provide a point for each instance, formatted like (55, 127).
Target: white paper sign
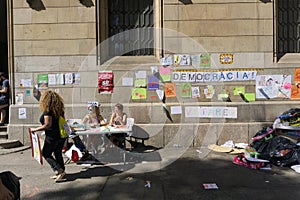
(19, 98)
(213, 76)
(176, 110)
(22, 113)
(127, 81)
(195, 92)
(192, 111)
(69, 78)
(51, 79)
(140, 74)
(160, 94)
(210, 112)
(166, 60)
(60, 79)
(26, 82)
(76, 78)
(154, 69)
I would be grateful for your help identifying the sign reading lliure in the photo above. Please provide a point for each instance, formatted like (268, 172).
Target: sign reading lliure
(210, 112)
(218, 76)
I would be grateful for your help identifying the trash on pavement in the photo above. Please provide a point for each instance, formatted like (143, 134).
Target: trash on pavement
(209, 186)
(148, 184)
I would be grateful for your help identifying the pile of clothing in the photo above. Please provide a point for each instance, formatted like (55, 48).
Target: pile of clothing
(277, 145)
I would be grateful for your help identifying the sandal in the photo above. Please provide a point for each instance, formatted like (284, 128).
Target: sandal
(60, 177)
(53, 177)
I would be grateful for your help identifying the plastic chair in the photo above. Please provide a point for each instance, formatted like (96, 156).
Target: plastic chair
(130, 122)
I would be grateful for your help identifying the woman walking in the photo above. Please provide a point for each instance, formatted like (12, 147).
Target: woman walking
(52, 107)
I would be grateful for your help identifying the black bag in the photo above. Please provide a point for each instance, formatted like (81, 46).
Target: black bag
(11, 181)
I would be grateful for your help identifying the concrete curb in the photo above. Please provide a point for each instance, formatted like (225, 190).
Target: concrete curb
(13, 150)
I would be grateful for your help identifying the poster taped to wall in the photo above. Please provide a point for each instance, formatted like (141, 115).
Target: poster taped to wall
(210, 112)
(42, 80)
(195, 92)
(139, 93)
(153, 83)
(165, 73)
(182, 59)
(273, 86)
(170, 90)
(186, 89)
(105, 82)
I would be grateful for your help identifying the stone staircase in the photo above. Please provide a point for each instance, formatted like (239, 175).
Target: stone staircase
(9, 146)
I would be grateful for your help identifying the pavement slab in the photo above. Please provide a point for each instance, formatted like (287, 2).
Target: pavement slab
(181, 180)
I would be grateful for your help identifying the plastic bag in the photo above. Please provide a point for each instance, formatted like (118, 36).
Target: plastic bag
(64, 128)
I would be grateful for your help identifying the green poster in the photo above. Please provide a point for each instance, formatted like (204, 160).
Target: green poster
(250, 96)
(238, 90)
(139, 93)
(42, 81)
(186, 89)
(205, 60)
(140, 83)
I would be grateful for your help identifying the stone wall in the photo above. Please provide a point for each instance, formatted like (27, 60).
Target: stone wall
(56, 39)
(61, 38)
(223, 25)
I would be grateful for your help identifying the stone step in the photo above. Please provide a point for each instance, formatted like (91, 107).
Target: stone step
(3, 128)
(7, 144)
(13, 150)
(3, 135)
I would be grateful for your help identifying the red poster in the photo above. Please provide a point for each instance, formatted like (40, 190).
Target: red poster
(105, 82)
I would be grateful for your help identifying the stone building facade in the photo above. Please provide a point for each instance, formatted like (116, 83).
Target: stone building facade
(71, 36)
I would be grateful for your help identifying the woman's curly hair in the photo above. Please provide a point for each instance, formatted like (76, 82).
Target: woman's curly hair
(52, 102)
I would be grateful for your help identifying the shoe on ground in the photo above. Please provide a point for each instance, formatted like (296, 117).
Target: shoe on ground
(60, 177)
(53, 177)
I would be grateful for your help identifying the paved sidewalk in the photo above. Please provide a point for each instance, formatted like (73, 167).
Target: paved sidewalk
(180, 180)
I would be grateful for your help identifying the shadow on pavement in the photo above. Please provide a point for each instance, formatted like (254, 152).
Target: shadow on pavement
(183, 179)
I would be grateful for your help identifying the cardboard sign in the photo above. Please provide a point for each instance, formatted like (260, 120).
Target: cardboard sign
(35, 147)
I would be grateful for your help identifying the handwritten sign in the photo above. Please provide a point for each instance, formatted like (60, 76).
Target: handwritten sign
(210, 112)
(222, 76)
(35, 147)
